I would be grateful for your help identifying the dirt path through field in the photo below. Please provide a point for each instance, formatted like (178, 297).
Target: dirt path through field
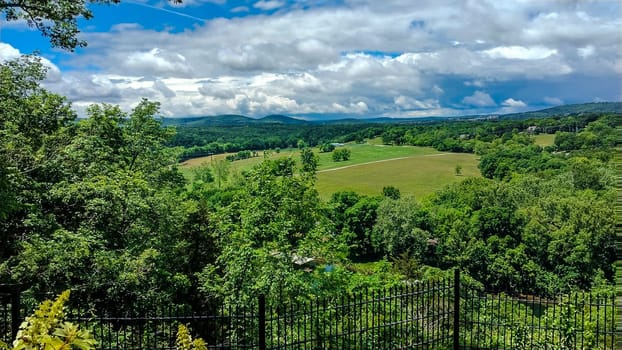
(381, 161)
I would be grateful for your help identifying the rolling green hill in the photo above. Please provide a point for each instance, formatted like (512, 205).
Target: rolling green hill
(230, 120)
(240, 120)
(595, 107)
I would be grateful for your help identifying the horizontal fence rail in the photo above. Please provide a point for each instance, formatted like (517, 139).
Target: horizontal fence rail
(158, 329)
(419, 315)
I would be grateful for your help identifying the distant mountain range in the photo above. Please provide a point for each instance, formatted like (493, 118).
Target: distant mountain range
(594, 107)
(231, 120)
(240, 120)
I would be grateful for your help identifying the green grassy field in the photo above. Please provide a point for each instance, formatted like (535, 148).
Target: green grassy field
(416, 171)
(545, 139)
(365, 153)
(417, 175)
(238, 165)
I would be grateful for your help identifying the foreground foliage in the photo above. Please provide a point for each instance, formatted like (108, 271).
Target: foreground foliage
(185, 341)
(46, 329)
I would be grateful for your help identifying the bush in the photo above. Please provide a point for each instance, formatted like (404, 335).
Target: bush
(185, 341)
(341, 154)
(327, 147)
(241, 155)
(45, 329)
(391, 192)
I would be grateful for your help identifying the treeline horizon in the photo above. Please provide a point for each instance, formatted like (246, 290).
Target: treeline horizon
(454, 135)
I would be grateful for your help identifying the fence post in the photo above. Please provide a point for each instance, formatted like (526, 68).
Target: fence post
(262, 322)
(14, 290)
(618, 209)
(456, 309)
(16, 305)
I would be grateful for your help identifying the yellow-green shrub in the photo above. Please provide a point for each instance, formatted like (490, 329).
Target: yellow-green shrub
(46, 329)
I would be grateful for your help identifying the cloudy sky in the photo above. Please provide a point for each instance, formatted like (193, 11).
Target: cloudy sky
(338, 58)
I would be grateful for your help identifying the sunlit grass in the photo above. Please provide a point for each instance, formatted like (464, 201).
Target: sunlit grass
(544, 139)
(416, 171)
(417, 175)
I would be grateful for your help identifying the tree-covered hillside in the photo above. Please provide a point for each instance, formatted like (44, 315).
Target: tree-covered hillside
(232, 133)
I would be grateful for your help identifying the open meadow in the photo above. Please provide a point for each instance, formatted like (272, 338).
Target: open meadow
(544, 139)
(416, 171)
(417, 175)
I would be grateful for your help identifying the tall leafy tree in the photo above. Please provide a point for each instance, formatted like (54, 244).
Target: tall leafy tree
(400, 228)
(93, 204)
(359, 221)
(309, 161)
(31, 119)
(267, 233)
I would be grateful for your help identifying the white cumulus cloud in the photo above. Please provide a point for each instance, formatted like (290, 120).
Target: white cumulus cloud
(267, 5)
(8, 52)
(409, 103)
(479, 99)
(163, 89)
(520, 52)
(355, 56)
(510, 102)
(156, 61)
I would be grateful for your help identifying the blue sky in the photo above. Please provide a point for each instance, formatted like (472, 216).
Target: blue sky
(355, 58)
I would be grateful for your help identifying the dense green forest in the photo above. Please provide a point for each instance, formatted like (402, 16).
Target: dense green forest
(200, 141)
(98, 205)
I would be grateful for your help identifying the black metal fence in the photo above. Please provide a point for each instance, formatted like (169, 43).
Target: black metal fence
(423, 315)
(413, 316)
(574, 321)
(10, 315)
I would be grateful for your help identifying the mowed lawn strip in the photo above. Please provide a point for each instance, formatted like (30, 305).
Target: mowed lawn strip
(418, 175)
